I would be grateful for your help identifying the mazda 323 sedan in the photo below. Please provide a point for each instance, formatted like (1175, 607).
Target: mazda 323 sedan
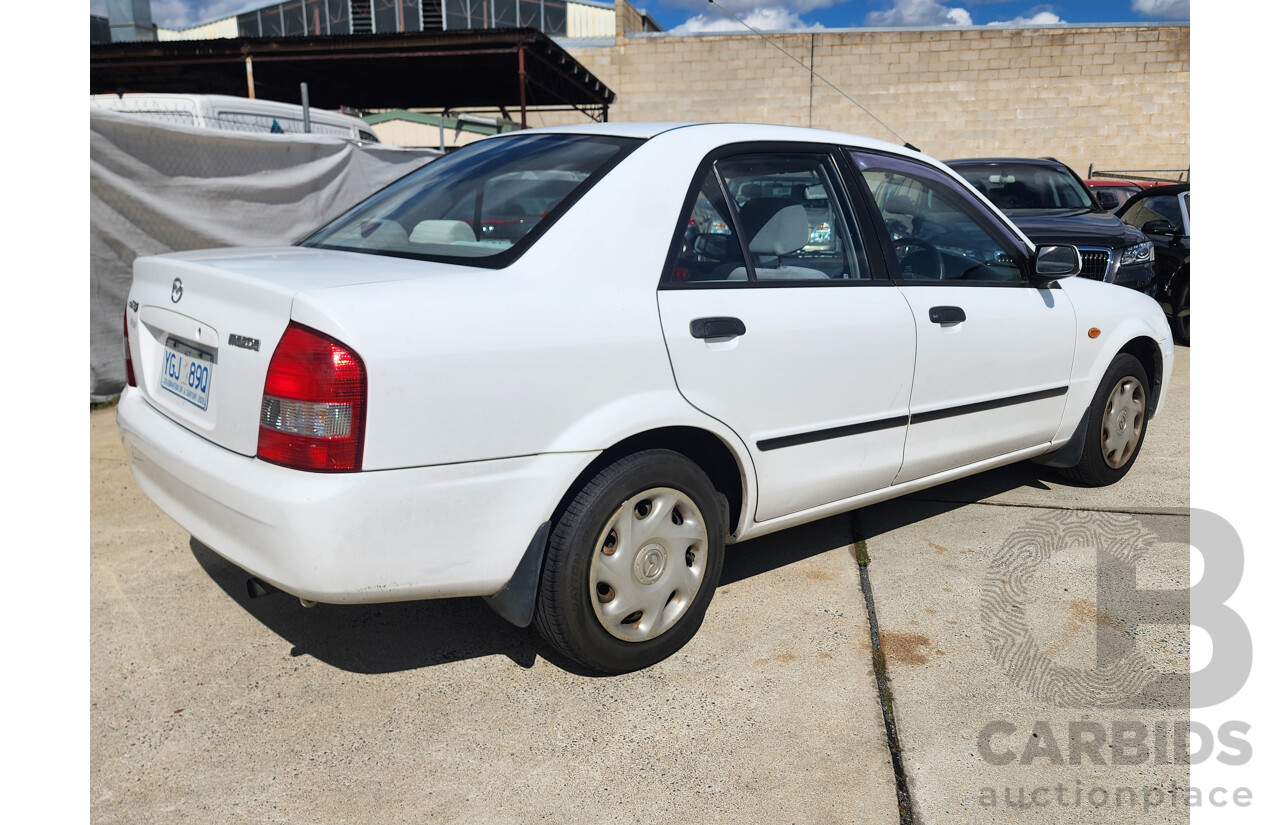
(562, 369)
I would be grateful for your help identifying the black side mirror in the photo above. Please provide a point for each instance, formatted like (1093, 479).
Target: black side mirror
(1055, 262)
(1159, 226)
(1107, 199)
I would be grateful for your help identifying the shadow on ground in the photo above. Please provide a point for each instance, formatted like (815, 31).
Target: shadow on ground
(382, 638)
(399, 636)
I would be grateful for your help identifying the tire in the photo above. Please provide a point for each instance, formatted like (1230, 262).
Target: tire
(1180, 321)
(632, 564)
(1117, 424)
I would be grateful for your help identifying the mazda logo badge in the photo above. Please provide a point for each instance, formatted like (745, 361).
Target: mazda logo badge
(176, 293)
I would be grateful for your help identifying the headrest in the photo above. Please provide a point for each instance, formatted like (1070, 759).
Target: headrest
(784, 231)
(442, 232)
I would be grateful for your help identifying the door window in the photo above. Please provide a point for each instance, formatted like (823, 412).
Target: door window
(1155, 208)
(937, 232)
(769, 217)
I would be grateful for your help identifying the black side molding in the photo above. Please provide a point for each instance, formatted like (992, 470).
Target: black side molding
(983, 406)
(834, 432)
(904, 420)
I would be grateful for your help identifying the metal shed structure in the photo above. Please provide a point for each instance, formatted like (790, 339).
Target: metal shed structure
(499, 68)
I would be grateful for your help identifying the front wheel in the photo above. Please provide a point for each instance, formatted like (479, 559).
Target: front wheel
(1117, 424)
(632, 564)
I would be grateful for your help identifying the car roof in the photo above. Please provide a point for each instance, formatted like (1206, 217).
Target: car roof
(1168, 189)
(997, 161)
(736, 131)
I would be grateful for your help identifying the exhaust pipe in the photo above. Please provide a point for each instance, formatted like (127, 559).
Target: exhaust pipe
(258, 588)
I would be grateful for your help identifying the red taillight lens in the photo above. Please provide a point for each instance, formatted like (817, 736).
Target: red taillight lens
(313, 404)
(128, 354)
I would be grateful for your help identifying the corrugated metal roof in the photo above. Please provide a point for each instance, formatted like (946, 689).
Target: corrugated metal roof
(456, 69)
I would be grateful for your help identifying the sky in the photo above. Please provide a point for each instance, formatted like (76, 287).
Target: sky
(775, 15)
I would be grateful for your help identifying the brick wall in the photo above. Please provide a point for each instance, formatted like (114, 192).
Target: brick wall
(1116, 96)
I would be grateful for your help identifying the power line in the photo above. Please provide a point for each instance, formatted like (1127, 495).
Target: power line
(812, 72)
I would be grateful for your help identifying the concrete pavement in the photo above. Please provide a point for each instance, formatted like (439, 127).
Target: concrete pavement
(207, 707)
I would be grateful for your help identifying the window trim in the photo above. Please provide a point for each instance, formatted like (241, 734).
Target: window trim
(851, 212)
(975, 209)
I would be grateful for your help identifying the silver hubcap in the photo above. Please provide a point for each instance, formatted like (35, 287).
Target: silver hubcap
(648, 564)
(1122, 421)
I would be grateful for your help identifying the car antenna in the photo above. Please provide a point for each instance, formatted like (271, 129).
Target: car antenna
(838, 90)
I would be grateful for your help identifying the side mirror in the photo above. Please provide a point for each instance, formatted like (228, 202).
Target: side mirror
(1159, 226)
(1055, 262)
(1108, 200)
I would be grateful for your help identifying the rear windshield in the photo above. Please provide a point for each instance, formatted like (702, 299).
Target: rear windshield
(1013, 186)
(483, 204)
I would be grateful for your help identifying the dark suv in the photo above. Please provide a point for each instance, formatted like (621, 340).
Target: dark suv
(1051, 205)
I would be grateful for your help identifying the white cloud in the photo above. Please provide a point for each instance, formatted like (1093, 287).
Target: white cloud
(919, 13)
(175, 14)
(1163, 9)
(1043, 18)
(771, 19)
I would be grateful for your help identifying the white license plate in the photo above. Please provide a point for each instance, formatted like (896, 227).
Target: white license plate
(187, 372)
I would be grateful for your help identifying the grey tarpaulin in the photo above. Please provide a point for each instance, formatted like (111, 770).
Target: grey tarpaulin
(156, 187)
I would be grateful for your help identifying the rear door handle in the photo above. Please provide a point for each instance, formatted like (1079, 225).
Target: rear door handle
(946, 315)
(719, 327)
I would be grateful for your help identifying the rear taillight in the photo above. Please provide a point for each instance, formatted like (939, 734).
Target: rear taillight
(128, 354)
(313, 404)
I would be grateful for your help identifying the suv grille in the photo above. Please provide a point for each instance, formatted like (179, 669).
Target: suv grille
(1094, 263)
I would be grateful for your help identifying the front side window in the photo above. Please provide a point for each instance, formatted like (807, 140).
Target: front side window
(483, 204)
(936, 231)
(769, 217)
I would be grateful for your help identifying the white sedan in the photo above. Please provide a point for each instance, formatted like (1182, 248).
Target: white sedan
(563, 368)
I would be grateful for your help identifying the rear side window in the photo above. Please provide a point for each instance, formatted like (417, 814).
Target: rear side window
(770, 216)
(481, 205)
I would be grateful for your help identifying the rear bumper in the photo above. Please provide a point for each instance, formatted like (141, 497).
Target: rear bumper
(391, 535)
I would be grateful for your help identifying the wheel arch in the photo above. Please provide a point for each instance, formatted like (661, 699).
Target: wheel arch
(515, 601)
(717, 459)
(1148, 353)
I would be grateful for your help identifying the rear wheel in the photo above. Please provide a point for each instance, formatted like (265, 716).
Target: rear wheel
(1117, 424)
(632, 564)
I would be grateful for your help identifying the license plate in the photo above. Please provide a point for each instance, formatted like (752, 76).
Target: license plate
(187, 372)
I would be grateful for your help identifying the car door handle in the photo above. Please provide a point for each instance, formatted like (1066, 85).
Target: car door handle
(946, 315)
(716, 327)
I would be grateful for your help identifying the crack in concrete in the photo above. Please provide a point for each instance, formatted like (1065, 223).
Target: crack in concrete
(906, 812)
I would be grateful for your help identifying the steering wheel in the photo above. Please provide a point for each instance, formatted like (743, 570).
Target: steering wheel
(905, 243)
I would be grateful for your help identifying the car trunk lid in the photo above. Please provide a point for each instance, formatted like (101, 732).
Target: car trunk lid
(203, 326)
